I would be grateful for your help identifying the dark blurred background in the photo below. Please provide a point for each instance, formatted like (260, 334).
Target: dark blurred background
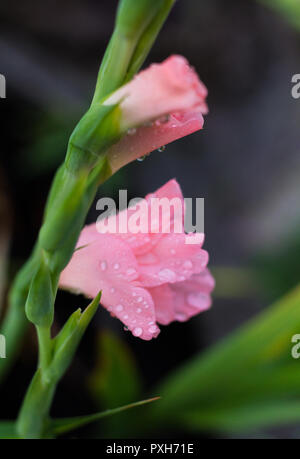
(245, 163)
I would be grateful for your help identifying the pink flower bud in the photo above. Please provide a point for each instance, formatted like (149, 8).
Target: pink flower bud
(161, 104)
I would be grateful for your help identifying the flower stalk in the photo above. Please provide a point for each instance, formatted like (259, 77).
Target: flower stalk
(73, 190)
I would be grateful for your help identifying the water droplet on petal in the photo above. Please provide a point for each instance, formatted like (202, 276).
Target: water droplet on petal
(138, 310)
(188, 264)
(131, 131)
(137, 331)
(130, 271)
(119, 308)
(152, 329)
(134, 293)
(164, 119)
(140, 299)
(103, 265)
(116, 266)
(167, 275)
(125, 316)
(142, 158)
(112, 290)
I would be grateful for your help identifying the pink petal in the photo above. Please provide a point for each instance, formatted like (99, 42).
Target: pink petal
(172, 261)
(163, 297)
(172, 86)
(108, 264)
(193, 296)
(141, 243)
(149, 138)
(183, 300)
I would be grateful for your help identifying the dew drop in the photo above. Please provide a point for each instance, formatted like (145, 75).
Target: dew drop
(119, 308)
(142, 158)
(116, 266)
(167, 275)
(138, 310)
(140, 299)
(148, 124)
(164, 119)
(188, 264)
(125, 316)
(130, 271)
(103, 265)
(137, 331)
(131, 131)
(152, 329)
(112, 290)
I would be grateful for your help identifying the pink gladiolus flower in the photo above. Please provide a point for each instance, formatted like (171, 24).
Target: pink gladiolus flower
(146, 279)
(164, 102)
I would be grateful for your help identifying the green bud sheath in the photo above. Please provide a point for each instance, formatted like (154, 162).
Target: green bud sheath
(133, 21)
(67, 341)
(64, 211)
(133, 17)
(39, 306)
(98, 130)
(148, 38)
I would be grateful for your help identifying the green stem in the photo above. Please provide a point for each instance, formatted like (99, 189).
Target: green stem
(34, 415)
(45, 347)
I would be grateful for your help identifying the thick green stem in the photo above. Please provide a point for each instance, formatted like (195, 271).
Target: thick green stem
(45, 347)
(13, 328)
(34, 415)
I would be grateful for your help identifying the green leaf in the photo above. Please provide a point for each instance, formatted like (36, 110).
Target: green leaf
(61, 426)
(8, 430)
(244, 376)
(288, 8)
(115, 380)
(67, 341)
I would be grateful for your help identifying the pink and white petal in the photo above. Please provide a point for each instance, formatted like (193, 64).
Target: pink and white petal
(150, 138)
(142, 242)
(108, 264)
(163, 298)
(192, 296)
(171, 86)
(134, 307)
(172, 260)
(169, 190)
(183, 300)
(95, 266)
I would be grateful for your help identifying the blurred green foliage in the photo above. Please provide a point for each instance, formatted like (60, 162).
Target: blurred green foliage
(115, 381)
(288, 8)
(247, 381)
